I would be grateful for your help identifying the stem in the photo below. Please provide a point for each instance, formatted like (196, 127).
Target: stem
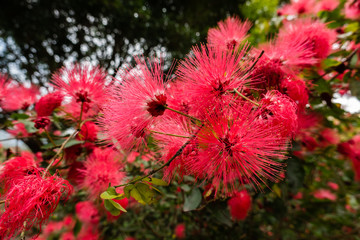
(184, 114)
(3, 201)
(169, 134)
(9, 139)
(81, 113)
(167, 163)
(246, 98)
(22, 235)
(59, 151)
(49, 137)
(252, 66)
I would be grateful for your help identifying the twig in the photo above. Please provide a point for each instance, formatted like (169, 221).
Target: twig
(59, 151)
(246, 98)
(184, 114)
(167, 163)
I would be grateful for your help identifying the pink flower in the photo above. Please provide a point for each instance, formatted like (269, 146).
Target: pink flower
(88, 232)
(101, 168)
(180, 231)
(234, 147)
(87, 212)
(279, 111)
(229, 33)
(88, 132)
(296, 89)
(313, 33)
(333, 186)
(68, 236)
(324, 194)
(20, 97)
(239, 205)
(135, 104)
(209, 74)
(297, 7)
(48, 103)
(352, 9)
(19, 130)
(32, 200)
(84, 84)
(326, 5)
(299, 195)
(14, 169)
(329, 136)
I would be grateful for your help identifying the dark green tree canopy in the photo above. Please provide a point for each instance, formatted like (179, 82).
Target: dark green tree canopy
(38, 36)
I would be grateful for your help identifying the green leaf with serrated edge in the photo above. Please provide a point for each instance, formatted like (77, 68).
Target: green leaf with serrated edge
(128, 189)
(137, 196)
(193, 200)
(117, 206)
(156, 181)
(111, 208)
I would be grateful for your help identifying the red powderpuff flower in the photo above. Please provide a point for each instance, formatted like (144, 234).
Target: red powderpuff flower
(20, 97)
(48, 103)
(68, 236)
(333, 186)
(326, 5)
(324, 194)
(174, 126)
(41, 122)
(101, 168)
(352, 9)
(14, 169)
(135, 104)
(19, 130)
(87, 212)
(279, 111)
(84, 84)
(88, 132)
(296, 89)
(229, 34)
(313, 33)
(297, 7)
(180, 231)
(32, 200)
(209, 74)
(235, 148)
(88, 232)
(239, 205)
(329, 136)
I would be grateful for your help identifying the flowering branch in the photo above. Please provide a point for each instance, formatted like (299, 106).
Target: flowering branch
(169, 134)
(181, 113)
(59, 151)
(167, 163)
(246, 98)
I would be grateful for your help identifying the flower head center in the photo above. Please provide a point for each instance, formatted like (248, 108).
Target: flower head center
(156, 106)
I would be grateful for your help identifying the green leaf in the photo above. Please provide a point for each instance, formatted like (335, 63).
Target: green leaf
(77, 227)
(117, 205)
(147, 194)
(295, 174)
(58, 143)
(73, 142)
(193, 200)
(354, 87)
(29, 126)
(327, 63)
(18, 116)
(156, 181)
(137, 196)
(111, 208)
(128, 189)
